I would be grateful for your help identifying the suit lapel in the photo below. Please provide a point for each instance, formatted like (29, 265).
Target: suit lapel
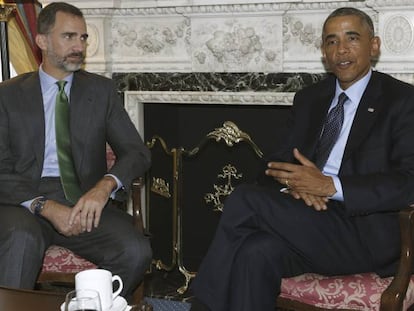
(366, 114)
(317, 114)
(31, 104)
(81, 110)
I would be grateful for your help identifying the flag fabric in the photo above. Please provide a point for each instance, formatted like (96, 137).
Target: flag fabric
(24, 54)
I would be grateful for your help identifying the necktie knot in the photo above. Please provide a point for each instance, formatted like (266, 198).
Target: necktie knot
(341, 99)
(61, 85)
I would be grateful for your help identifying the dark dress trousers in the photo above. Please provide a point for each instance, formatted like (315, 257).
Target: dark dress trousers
(96, 117)
(265, 235)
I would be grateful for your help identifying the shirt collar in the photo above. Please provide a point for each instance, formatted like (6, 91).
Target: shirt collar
(47, 81)
(356, 90)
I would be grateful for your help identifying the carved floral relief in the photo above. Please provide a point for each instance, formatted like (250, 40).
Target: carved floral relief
(235, 36)
(302, 39)
(237, 44)
(151, 37)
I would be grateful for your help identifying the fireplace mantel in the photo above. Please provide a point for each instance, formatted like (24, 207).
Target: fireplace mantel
(135, 100)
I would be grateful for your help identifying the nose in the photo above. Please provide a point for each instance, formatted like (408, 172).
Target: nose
(79, 44)
(343, 46)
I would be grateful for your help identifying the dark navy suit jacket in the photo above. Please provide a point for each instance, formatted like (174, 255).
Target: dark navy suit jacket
(377, 170)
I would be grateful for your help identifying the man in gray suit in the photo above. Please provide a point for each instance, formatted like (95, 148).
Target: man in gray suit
(316, 209)
(35, 211)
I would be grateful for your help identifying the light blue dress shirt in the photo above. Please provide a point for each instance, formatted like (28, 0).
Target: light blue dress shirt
(354, 93)
(49, 92)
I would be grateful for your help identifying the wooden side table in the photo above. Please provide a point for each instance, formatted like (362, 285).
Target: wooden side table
(19, 299)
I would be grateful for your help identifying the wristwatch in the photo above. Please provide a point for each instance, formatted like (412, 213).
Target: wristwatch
(37, 206)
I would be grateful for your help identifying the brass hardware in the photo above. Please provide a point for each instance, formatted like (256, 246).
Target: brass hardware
(161, 187)
(150, 144)
(188, 276)
(5, 10)
(229, 173)
(230, 134)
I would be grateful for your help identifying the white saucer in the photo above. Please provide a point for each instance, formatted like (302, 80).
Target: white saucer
(119, 304)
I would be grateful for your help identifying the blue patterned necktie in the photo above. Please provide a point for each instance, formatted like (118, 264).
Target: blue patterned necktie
(66, 167)
(331, 130)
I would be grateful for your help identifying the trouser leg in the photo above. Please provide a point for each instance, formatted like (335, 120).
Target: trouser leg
(320, 240)
(22, 245)
(258, 268)
(116, 246)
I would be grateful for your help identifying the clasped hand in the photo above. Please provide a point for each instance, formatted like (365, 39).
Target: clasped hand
(86, 213)
(303, 181)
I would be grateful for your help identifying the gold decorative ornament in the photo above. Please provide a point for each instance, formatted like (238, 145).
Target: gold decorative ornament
(5, 10)
(222, 191)
(161, 187)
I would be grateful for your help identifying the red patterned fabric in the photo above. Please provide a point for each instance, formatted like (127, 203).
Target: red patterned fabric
(110, 157)
(60, 259)
(355, 292)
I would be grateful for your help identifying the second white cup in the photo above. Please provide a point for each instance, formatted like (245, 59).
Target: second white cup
(102, 281)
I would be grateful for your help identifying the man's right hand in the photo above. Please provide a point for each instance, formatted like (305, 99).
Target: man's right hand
(317, 202)
(58, 215)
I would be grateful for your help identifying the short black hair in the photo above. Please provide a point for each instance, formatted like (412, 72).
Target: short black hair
(47, 15)
(346, 11)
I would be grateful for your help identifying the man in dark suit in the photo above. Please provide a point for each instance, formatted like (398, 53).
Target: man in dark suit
(35, 210)
(333, 214)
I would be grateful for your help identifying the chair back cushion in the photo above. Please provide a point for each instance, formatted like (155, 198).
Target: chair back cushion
(354, 292)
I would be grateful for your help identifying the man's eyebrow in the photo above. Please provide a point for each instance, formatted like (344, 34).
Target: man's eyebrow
(330, 36)
(72, 34)
(69, 33)
(348, 33)
(353, 33)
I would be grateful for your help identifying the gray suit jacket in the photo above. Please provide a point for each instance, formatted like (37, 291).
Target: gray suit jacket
(96, 117)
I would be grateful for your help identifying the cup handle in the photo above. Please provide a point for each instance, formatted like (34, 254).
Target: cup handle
(120, 287)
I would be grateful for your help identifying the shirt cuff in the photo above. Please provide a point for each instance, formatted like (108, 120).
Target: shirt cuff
(119, 185)
(339, 195)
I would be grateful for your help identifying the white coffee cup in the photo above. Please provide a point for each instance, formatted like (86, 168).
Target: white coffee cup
(102, 281)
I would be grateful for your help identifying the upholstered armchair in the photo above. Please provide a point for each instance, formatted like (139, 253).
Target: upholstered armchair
(359, 291)
(60, 264)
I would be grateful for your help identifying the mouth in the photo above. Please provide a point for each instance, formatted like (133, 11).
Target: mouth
(343, 64)
(77, 56)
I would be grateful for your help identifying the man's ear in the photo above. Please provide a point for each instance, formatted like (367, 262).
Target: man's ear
(323, 56)
(375, 47)
(41, 41)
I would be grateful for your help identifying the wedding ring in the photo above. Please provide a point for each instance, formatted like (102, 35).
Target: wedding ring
(287, 183)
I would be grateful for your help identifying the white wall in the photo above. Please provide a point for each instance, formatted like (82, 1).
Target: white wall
(233, 35)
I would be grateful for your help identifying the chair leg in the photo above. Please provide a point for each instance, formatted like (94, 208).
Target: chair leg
(138, 299)
(138, 294)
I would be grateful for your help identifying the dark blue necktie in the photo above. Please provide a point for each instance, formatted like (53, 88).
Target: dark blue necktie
(331, 130)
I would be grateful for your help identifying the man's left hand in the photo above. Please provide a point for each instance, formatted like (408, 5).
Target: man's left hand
(90, 205)
(302, 178)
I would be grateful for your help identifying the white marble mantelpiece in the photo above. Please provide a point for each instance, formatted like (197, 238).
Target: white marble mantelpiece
(135, 100)
(233, 35)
